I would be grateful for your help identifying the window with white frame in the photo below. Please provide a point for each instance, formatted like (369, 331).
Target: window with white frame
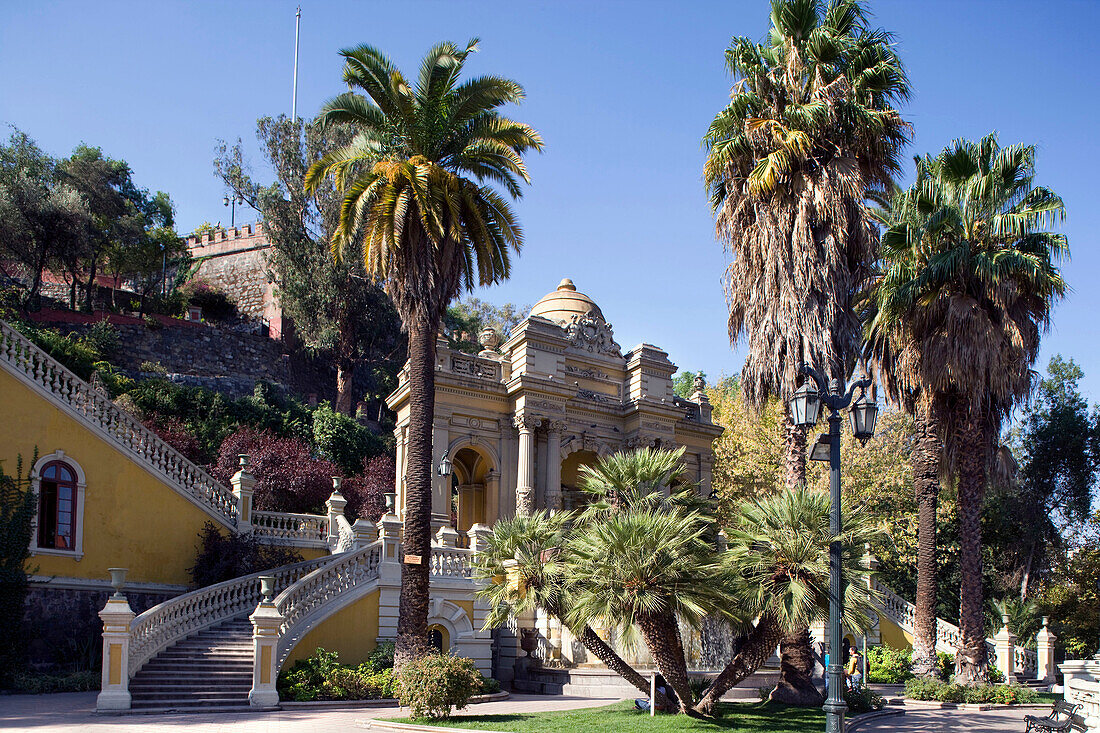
(58, 483)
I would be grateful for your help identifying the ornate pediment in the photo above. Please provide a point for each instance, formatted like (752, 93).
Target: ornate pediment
(591, 333)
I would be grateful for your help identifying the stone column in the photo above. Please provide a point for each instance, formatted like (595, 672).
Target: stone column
(492, 497)
(479, 538)
(243, 483)
(1005, 642)
(447, 537)
(266, 621)
(1044, 652)
(553, 465)
(525, 484)
(364, 533)
(402, 468)
(335, 505)
(389, 531)
(441, 485)
(115, 685)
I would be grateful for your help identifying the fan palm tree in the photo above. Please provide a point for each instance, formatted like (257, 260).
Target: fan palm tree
(521, 564)
(970, 278)
(417, 182)
(779, 549)
(810, 129)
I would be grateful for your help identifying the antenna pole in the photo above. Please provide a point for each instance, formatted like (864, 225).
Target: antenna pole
(294, 97)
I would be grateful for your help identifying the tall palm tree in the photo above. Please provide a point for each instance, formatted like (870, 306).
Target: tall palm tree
(971, 277)
(811, 127)
(418, 198)
(779, 549)
(522, 569)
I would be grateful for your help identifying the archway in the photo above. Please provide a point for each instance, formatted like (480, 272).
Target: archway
(572, 496)
(470, 503)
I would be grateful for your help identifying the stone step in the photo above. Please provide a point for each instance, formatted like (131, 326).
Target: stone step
(197, 705)
(146, 686)
(213, 654)
(174, 696)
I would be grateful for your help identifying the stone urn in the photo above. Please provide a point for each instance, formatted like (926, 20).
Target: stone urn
(267, 587)
(118, 580)
(529, 641)
(489, 339)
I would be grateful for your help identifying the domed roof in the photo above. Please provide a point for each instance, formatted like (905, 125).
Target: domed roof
(561, 305)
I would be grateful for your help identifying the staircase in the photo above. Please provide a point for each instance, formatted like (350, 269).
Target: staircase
(210, 670)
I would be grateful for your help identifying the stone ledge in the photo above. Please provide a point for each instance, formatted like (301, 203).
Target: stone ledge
(858, 720)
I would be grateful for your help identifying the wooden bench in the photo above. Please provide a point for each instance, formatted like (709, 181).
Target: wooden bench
(1060, 718)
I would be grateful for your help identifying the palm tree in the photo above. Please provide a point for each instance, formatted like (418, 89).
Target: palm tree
(810, 129)
(969, 283)
(521, 564)
(417, 197)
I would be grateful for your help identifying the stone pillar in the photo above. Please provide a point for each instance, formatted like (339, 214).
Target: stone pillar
(1044, 653)
(335, 505)
(266, 621)
(525, 484)
(402, 469)
(364, 533)
(115, 685)
(553, 465)
(1005, 642)
(243, 483)
(389, 531)
(492, 497)
(479, 538)
(441, 485)
(447, 537)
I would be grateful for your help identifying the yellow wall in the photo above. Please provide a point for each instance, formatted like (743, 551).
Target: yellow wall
(130, 519)
(893, 635)
(352, 631)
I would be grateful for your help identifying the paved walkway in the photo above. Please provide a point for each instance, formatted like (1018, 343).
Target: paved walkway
(952, 721)
(74, 713)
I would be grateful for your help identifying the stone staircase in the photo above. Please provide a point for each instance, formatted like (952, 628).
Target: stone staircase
(210, 670)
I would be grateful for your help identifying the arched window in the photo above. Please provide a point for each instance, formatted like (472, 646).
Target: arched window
(59, 483)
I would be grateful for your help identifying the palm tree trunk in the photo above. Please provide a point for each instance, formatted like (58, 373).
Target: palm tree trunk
(758, 646)
(796, 668)
(795, 456)
(345, 372)
(971, 662)
(925, 461)
(662, 638)
(412, 623)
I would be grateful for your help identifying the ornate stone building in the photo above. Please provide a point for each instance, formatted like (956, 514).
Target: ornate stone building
(520, 418)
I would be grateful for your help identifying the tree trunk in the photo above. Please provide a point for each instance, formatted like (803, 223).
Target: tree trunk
(345, 372)
(412, 622)
(662, 637)
(603, 651)
(90, 294)
(795, 456)
(925, 461)
(796, 669)
(971, 661)
(758, 646)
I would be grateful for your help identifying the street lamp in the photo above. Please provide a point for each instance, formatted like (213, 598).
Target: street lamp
(444, 468)
(805, 407)
(232, 202)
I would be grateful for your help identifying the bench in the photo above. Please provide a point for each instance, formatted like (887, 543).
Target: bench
(1060, 718)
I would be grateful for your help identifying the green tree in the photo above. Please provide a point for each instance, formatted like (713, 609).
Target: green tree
(17, 511)
(683, 383)
(465, 319)
(425, 230)
(970, 276)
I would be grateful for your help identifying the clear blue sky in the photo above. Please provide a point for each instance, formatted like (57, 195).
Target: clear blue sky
(621, 91)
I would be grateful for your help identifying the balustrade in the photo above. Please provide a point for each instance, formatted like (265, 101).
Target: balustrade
(293, 529)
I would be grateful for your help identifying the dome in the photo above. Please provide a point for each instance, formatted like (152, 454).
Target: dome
(561, 305)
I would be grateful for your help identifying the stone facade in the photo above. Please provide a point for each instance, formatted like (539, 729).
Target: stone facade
(235, 261)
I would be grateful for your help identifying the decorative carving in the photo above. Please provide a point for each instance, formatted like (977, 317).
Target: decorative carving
(546, 405)
(700, 383)
(586, 372)
(470, 366)
(592, 334)
(525, 421)
(555, 426)
(587, 394)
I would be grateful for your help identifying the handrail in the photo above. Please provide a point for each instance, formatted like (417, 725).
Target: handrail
(288, 528)
(35, 367)
(179, 617)
(302, 598)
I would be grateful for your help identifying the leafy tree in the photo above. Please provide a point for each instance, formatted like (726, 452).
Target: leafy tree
(970, 276)
(17, 512)
(288, 477)
(683, 383)
(332, 302)
(425, 230)
(224, 557)
(344, 441)
(1069, 594)
(465, 319)
(366, 490)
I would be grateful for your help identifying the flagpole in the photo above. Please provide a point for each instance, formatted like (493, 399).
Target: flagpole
(294, 97)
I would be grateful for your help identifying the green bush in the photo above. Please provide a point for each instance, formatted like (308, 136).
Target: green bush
(945, 663)
(38, 684)
(322, 677)
(927, 689)
(434, 684)
(863, 700)
(889, 666)
(342, 440)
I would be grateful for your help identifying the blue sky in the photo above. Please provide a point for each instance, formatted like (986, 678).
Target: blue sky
(621, 91)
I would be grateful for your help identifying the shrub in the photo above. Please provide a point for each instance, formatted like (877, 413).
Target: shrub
(288, 477)
(303, 682)
(38, 684)
(889, 666)
(381, 657)
(322, 677)
(945, 664)
(995, 675)
(216, 305)
(342, 440)
(926, 689)
(434, 684)
(366, 492)
(863, 700)
(175, 433)
(224, 557)
(18, 505)
(102, 338)
(153, 367)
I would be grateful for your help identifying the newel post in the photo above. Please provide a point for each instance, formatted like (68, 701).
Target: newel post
(266, 621)
(447, 536)
(1005, 642)
(243, 483)
(1044, 652)
(116, 615)
(335, 505)
(479, 538)
(389, 531)
(364, 532)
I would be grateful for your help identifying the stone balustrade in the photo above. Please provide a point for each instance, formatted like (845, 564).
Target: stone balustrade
(1082, 687)
(95, 409)
(298, 530)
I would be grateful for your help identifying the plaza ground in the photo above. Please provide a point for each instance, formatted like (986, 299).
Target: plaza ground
(74, 713)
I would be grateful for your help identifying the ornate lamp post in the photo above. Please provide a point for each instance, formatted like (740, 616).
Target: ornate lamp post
(232, 202)
(805, 408)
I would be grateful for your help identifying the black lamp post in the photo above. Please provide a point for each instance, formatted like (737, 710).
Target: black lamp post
(805, 408)
(232, 202)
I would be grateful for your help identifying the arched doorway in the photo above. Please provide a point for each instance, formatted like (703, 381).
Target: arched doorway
(572, 497)
(469, 500)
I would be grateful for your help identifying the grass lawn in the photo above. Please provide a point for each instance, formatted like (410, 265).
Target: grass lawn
(737, 718)
(1048, 698)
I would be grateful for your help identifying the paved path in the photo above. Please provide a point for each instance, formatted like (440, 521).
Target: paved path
(74, 713)
(951, 721)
